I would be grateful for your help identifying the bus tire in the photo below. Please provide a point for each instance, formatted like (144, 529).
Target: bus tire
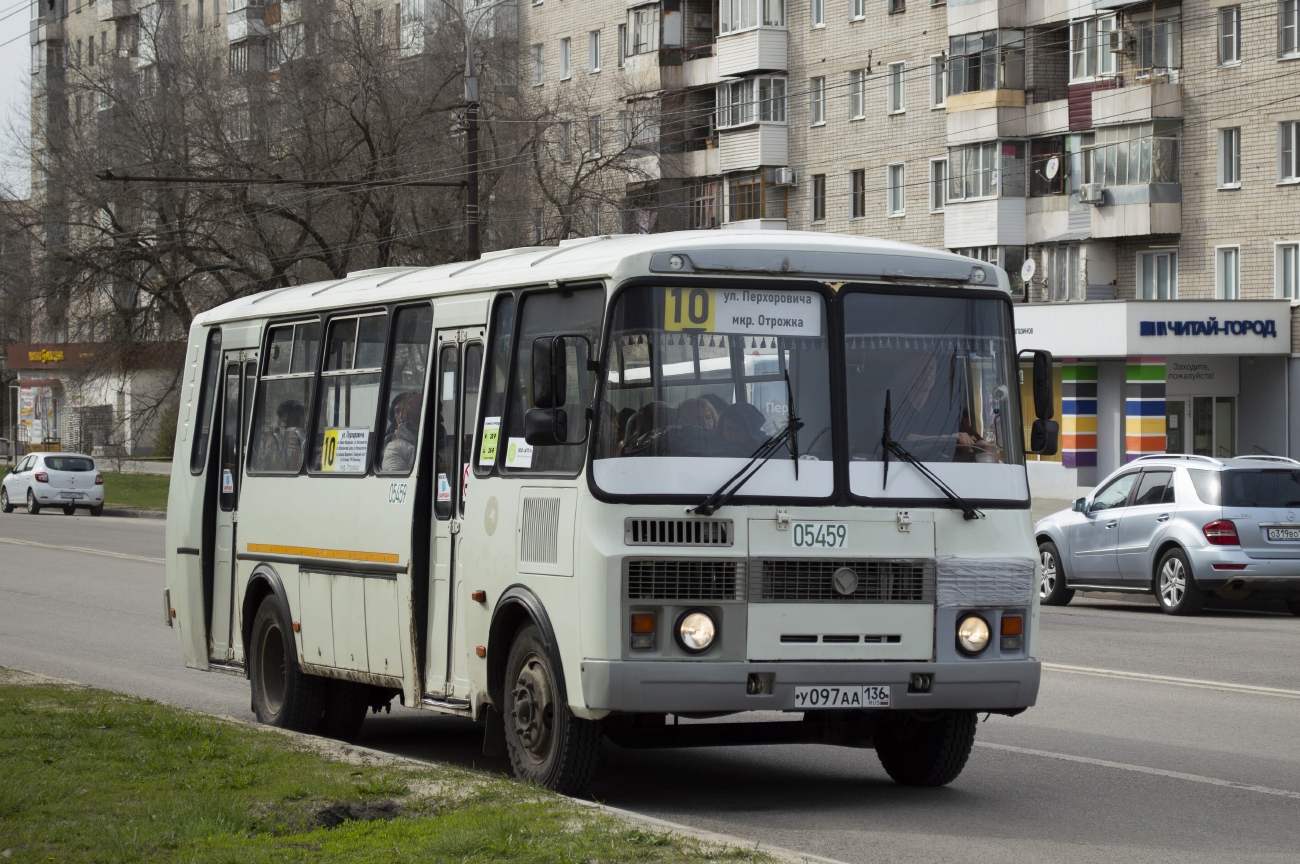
(919, 750)
(346, 704)
(283, 695)
(547, 744)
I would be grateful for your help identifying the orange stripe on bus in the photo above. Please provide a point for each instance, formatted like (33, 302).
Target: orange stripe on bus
(329, 554)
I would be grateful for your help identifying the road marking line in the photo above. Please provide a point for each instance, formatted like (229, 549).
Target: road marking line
(82, 549)
(1142, 769)
(1178, 682)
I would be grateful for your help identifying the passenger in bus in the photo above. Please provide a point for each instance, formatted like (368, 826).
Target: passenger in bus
(643, 436)
(697, 412)
(399, 452)
(741, 426)
(719, 404)
(280, 447)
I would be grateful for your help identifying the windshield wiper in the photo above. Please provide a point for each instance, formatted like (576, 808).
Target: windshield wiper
(758, 459)
(889, 445)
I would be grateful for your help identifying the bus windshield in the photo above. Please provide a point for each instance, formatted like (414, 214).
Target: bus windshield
(698, 379)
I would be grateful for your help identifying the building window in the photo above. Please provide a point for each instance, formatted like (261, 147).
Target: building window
(566, 140)
(537, 65)
(566, 57)
(640, 126)
(1288, 151)
(1287, 268)
(185, 21)
(1158, 42)
(858, 194)
(593, 137)
(751, 197)
(819, 198)
(1229, 35)
(593, 51)
(1227, 273)
(1062, 274)
(938, 81)
(896, 189)
(1230, 158)
(1049, 167)
(857, 10)
(738, 15)
(1157, 274)
(895, 6)
(1136, 153)
(537, 226)
(622, 45)
(643, 26)
(1288, 27)
(817, 13)
(896, 88)
(704, 206)
(751, 100)
(938, 184)
(992, 60)
(1090, 53)
(857, 94)
(239, 58)
(972, 171)
(198, 15)
(817, 100)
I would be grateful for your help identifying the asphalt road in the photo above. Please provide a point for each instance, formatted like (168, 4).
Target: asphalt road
(1108, 767)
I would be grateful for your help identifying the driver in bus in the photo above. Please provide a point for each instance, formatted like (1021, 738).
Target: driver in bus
(925, 417)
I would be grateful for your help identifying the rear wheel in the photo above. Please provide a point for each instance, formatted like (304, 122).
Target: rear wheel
(346, 704)
(1052, 591)
(6, 505)
(97, 510)
(283, 695)
(1176, 590)
(33, 507)
(925, 749)
(547, 744)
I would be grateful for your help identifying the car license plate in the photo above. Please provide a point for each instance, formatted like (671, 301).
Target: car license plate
(819, 535)
(72, 495)
(842, 696)
(1284, 533)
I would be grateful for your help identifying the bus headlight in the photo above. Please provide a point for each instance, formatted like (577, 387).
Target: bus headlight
(972, 635)
(696, 631)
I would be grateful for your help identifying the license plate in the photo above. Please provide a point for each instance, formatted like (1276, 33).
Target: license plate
(1284, 533)
(819, 535)
(842, 696)
(73, 495)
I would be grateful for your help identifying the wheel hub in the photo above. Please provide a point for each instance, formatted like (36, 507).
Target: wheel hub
(1173, 583)
(533, 713)
(1049, 574)
(272, 669)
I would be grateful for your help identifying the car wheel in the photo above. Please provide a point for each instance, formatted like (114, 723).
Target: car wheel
(33, 507)
(1176, 590)
(6, 505)
(69, 509)
(283, 695)
(97, 510)
(916, 750)
(1052, 591)
(547, 744)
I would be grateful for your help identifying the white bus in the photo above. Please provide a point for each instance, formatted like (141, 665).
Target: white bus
(581, 492)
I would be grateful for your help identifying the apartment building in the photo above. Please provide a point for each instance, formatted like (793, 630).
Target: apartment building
(1134, 166)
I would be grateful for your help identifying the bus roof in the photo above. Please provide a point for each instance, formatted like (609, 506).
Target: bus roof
(619, 256)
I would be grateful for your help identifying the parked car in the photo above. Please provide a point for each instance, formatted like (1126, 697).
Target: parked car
(1180, 527)
(65, 480)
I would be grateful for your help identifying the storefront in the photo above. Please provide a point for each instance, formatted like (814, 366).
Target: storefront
(1136, 377)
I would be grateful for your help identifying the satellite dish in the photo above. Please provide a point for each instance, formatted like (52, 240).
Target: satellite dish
(1028, 269)
(1052, 168)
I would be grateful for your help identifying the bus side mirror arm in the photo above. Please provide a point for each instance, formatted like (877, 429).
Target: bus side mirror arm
(1044, 434)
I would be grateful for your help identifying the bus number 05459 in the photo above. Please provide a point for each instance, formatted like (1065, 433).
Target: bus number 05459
(819, 535)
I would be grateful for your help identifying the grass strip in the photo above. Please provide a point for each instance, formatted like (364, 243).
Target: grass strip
(130, 491)
(96, 776)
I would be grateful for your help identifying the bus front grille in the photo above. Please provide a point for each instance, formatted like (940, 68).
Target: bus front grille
(877, 580)
(688, 579)
(642, 531)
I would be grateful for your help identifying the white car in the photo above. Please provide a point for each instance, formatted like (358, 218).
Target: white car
(63, 480)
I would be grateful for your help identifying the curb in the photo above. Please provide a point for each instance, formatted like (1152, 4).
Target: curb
(136, 514)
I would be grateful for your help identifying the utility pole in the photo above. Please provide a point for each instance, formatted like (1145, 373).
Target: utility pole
(471, 149)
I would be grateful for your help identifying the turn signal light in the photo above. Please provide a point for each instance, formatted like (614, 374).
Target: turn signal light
(1013, 625)
(642, 625)
(478, 596)
(481, 650)
(1221, 532)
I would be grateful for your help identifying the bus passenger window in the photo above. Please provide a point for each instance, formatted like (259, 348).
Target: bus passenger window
(445, 445)
(503, 328)
(349, 397)
(284, 398)
(469, 408)
(404, 399)
(207, 387)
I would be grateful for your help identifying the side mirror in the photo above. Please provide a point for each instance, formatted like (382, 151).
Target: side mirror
(549, 368)
(1079, 505)
(546, 427)
(547, 423)
(1043, 437)
(1044, 434)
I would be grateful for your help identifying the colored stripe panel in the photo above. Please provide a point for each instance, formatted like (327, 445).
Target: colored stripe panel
(1078, 372)
(327, 554)
(1146, 372)
(1087, 407)
(1145, 408)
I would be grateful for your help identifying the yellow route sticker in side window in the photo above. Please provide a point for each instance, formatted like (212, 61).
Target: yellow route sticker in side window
(487, 453)
(688, 308)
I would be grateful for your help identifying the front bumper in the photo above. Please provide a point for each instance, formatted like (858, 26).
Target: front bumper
(699, 686)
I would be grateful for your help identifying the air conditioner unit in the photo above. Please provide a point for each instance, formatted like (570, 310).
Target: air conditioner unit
(1092, 193)
(783, 177)
(1122, 41)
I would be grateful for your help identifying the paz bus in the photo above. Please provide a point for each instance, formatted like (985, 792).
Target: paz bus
(582, 492)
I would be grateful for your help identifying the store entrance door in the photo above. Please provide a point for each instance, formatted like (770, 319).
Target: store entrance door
(1175, 426)
(1214, 426)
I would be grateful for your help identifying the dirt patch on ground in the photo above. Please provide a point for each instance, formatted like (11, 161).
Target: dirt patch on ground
(334, 815)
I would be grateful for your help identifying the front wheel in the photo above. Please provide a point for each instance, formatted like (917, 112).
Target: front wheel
(1052, 591)
(283, 695)
(923, 749)
(1176, 590)
(6, 505)
(547, 744)
(33, 506)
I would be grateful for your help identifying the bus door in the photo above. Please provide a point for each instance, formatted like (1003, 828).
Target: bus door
(238, 380)
(460, 361)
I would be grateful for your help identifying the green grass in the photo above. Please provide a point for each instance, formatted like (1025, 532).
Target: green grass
(94, 776)
(131, 491)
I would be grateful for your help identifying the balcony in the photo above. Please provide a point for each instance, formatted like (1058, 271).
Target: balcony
(1137, 103)
(109, 10)
(1139, 210)
(246, 23)
(48, 31)
(749, 147)
(761, 49)
(988, 222)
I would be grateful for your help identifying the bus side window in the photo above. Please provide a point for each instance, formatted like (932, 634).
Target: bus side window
(284, 398)
(469, 410)
(494, 382)
(349, 394)
(404, 397)
(207, 388)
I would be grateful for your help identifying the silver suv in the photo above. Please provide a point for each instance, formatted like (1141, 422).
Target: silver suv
(1180, 527)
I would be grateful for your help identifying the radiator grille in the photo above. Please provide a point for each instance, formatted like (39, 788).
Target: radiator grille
(691, 579)
(677, 532)
(792, 580)
(539, 535)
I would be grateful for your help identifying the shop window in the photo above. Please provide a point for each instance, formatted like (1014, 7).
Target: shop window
(991, 60)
